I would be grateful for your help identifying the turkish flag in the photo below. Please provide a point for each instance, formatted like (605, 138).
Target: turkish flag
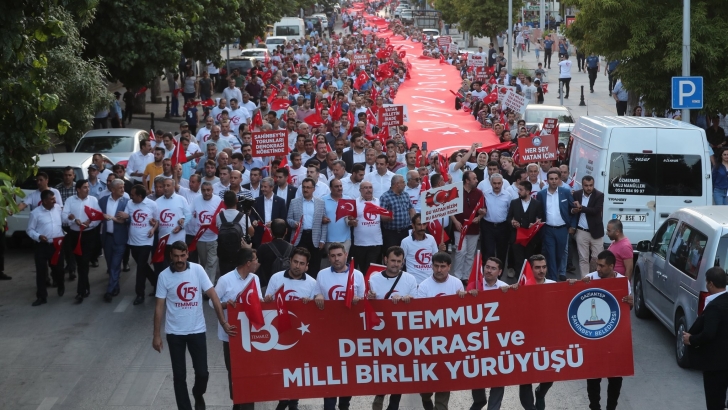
(293, 90)
(140, 92)
(267, 235)
(349, 297)
(314, 120)
(480, 204)
(151, 135)
(384, 54)
(501, 146)
(179, 156)
(93, 214)
(442, 165)
(249, 300)
(524, 235)
(257, 119)
(371, 118)
(370, 208)
(425, 184)
(298, 231)
(158, 256)
(457, 94)
(373, 268)
(526, 278)
(441, 197)
(57, 247)
(213, 225)
(402, 54)
(266, 76)
(346, 207)
(78, 250)
(284, 318)
(208, 103)
(371, 319)
(435, 228)
(316, 58)
(193, 245)
(336, 111)
(491, 98)
(280, 104)
(272, 96)
(475, 281)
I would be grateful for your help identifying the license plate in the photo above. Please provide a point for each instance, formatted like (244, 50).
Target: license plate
(630, 217)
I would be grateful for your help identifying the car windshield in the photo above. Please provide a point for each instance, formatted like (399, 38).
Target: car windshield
(537, 116)
(55, 177)
(275, 41)
(252, 53)
(106, 144)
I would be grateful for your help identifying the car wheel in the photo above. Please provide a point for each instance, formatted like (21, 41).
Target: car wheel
(680, 327)
(640, 309)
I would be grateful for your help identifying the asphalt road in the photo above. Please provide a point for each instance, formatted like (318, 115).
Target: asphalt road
(99, 356)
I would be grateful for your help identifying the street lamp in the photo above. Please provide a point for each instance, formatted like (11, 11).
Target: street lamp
(510, 34)
(686, 51)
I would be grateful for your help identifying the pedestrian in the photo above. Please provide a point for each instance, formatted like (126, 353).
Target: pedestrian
(494, 231)
(179, 290)
(203, 208)
(557, 203)
(548, 45)
(115, 232)
(707, 338)
(128, 98)
(190, 88)
(268, 207)
(620, 95)
(720, 179)
(337, 230)
(234, 233)
(418, 249)
(588, 206)
(621, 247)
(368, 240)
(580, 60)
(309, 212)
(523, 212)
(396, 228)
(564, 74)
(141, 211)
(472, 196)
(116, 114)
(204, 85)
(45, 229)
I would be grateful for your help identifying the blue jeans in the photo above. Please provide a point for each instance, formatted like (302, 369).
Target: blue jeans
(554, 242)
(113, 254)
(720, 196)
(330, 403)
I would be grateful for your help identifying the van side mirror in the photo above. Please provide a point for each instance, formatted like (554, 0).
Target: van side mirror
(644, 246)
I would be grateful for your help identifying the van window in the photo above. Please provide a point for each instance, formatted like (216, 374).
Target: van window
(655, 174)
(662, 238)
(283, 31)
(687, 251)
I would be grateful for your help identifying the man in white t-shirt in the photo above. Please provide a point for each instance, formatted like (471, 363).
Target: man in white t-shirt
(179, 289)
(203, 211)
(296, 283)
(141, 211)
(419, 247)
(32, 200)
(414, 189)
(203, 134)
(171, 213)
(564, 74)
(368, 239)
(238, 116)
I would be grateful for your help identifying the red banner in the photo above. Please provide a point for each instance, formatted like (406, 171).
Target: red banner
(270, 143)
(360, 59)
(533, 334)
(538, 148)
(391, 115)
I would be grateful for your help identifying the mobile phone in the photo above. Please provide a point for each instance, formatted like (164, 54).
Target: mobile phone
(424, 146)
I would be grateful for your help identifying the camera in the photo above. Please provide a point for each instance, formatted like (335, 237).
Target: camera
(245, 205)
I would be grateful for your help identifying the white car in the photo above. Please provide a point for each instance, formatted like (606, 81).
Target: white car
(116, 143)
(273, 42)
(431, 33)
(324, 19)
(535, 114)
(253, 54)
(53, 165)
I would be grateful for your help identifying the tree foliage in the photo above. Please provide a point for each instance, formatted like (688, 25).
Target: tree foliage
(650, 46)
(258, 14)
(480, 18)
(219, 22)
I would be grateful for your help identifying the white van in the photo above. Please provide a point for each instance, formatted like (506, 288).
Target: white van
(647, 168)
(292, 28)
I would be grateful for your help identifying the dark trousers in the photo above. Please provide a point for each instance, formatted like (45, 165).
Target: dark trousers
(494, 239)
(144, 272)
(330, 403)
(580, 60)
(197, 346)
(392, 237)
(394, 400)
(98, 245)
(526, 395)
(314, 264)
(113, 253)
(101, 123)
(621, 108)
(480, 399)
(365, 256)
(68, 257)
(128, 112)
(43, 253)
(193, 256)
(547, 59)
(521, 253)
(565, 82)
(612, 81)
(89, 239)
(553, 248)
(614, 385)
(715, 384)
(592, 77)
(226, 354)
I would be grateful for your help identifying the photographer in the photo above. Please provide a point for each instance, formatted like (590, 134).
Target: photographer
(234, 231)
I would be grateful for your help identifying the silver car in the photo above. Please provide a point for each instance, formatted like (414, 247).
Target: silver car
(536, 113)
(116, 143)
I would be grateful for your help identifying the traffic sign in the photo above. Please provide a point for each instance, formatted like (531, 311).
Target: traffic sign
(687, 93)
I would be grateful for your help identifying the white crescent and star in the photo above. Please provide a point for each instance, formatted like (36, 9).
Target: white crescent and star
(304, 329)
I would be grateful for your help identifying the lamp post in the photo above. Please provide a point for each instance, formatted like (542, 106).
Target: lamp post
(510, 34)
(686, 51)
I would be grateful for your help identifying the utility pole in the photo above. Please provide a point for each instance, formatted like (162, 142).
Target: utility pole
(510, 34)
(686, 51)
(542, 20)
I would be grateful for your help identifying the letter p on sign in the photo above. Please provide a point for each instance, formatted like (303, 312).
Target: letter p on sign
(687, 93)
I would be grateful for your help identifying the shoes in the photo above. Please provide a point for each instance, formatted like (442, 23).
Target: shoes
(61, 290)
(592, 91)
(139, 300)
(125, 268)
(199, 403)
(3, 276)
(94, 264)
(562, 278)
(71, 276)
(39, 302)
(78, 299)
(87, 294)
(566, 96)
(115, 292)
(108, 298)
(540, 402)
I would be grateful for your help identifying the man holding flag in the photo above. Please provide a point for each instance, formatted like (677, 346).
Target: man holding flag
(45, 228)
(523, 213)
(171, 215)
(141, 211)
(467, 223)
(204, 210)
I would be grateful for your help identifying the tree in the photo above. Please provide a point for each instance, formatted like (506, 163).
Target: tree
(484, 18)
(257, 15)
(650, 47)
(448, 12)
(218, 23)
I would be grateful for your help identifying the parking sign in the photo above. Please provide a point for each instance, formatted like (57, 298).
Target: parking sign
(687, 93)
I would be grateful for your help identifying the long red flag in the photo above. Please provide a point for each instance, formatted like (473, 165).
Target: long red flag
(349, 297)
(475, 281)
(249, 300)
(467, 223)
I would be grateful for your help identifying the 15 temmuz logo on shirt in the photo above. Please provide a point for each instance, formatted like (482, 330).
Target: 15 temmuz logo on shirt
(423, 257)
(205, 217)
(186, 294)
(166, 216)
(139, 216)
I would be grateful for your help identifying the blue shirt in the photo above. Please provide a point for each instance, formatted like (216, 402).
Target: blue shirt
(547, 45)
(191, 116)
(619, 91)
(256, 163)
(96, 189)
(308, 210)
(337, 231)
(720, 177)
(592, 61)
(612, 65)
(400, 205)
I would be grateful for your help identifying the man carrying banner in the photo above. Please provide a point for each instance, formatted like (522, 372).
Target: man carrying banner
(395, 284)
(472, 198)
(332, 283)
(523, 212)
(418, 250)
(440, 283)
(180, 288)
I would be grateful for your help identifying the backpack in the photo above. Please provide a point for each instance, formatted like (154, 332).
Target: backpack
(282, 262)
(229, 236)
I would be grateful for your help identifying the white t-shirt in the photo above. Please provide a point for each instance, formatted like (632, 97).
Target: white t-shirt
(565, 69)
(332, 285)
(202, 214)
(237, 118)
(140, 216)
(418, 256)
(595, 276)
(183, 294)
(228, 288)
(297, 175)
(203, 135)
(217, 114)
(250, 106)
(368, 231)
(169, 211)
(479, 94)
(414, 196)
(32, 200)
(431, 289)
(293, 289)
(381, 284)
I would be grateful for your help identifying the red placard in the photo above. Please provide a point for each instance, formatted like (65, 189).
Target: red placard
(444, 40)
(533, 334)
(391, 115)
(360, 59)
(538, 148)
(550, 126)
(270, 143)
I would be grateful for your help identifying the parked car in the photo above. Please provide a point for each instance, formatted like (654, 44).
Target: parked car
(241, 63)
(254, 54)
(271, 43)
(669, 276)
(407, 17)
(117, 143)
(324, 19)
(535, 114)
(431, 33)
(53, 165)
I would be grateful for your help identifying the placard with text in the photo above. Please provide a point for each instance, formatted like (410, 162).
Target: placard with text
(391, 115)
(270, 143)
(441, 202)
(538, 148)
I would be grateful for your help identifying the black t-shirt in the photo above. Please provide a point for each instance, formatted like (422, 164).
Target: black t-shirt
(715, 137)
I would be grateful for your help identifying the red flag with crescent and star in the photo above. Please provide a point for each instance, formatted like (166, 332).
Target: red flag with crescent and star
(57, 247)
(267, 234)
(346, 207)
(284, 318)
(524, 235)
(526, 277)
(435, 228)
(349, 297)
(93, 214)
(370, 208)
(249, 300)
(466, 225)
(213, 225)
(158, 256)
(475, 281)
(297, 234)
(78, 250)
(441, 197)
(193, 245)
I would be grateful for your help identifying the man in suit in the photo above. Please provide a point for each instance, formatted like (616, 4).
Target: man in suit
(357, 153)
(283, 189)
(309, 211)
(707, 339)
(268, 207)
(588, 206)
(523, 212)
(267, 251)
(115, 234)
(557, 203)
